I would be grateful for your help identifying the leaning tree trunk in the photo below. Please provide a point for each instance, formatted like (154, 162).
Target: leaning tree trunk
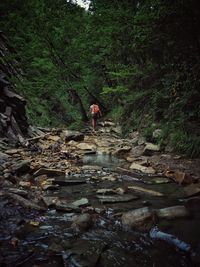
(77, 99)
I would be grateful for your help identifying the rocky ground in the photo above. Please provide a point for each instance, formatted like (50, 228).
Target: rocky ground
(93, 199)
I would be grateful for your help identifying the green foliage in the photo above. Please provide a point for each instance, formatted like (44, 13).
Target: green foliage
(185, 143)
(119, 89)
(141, 56)
(116, 113)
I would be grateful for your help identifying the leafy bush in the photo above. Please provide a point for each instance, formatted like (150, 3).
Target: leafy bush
(185, 143)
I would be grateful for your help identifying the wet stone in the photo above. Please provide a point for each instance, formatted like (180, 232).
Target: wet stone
(115, 199)
(3, 158)
(192, 190)
(50, 200)
(21, 167)
(17, 191)
(82, 222)
(65, 181)
(66, 207)
(68, 135)
(81, 202)
(159, 180)
(49, 172)
(172, 212)
(138, 217)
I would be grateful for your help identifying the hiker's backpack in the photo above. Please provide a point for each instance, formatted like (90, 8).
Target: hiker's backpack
(95, 109)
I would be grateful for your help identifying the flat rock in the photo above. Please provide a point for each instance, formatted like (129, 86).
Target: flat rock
(137, 217)
(49, 187)
(13, 151)
(86, 146)
(68, 135)
(53, 138)
(122, 150)
(25, 202)
(21, 167)
(25, 184)
(86, 253)
(83, 221)
(80, 202)
(117, 130)
(136, 151)
(115, 199)
(150, 149)
(91, 167)
(138, 167)
(49, 172)
(64, 181)
(109, 178)
(3, 157)
(17, 191)
(157, 180)
(145, 191)
(172, 212)
(192, 190)
(50, 200)
(66, 207)
(108, 123)
(104, 191)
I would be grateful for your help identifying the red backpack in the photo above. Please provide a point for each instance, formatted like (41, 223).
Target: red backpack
(95, 108)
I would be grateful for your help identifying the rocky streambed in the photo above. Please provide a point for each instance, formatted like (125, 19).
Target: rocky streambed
(84, 199)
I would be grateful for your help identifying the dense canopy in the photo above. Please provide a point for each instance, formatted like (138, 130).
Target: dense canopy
(140, 60)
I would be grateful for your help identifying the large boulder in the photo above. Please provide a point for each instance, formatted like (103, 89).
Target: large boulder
(82, 222)
(172, 212)
(144, 169)
(87, 146)
(21, 167)
(143, 217)
(150, 149)
(68, 135)
(123, 149)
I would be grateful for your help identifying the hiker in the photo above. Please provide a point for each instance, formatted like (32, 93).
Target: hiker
(96, 113)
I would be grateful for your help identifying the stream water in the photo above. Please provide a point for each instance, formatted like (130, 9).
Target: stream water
(102, 159)
(48, 240)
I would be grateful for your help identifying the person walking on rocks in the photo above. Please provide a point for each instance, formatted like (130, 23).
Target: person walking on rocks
(96, 113)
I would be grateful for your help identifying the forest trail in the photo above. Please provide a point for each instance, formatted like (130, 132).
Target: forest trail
(93, 199)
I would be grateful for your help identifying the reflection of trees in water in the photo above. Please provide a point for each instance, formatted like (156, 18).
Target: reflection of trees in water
(101, 159)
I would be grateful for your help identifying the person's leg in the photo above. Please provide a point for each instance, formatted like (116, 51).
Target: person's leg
(93, 123)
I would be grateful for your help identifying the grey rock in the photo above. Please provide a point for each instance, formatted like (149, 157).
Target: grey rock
(138, 167)
(116, 198)
(157, 133)
(68, 135)
(122, 150)
(150, 149)
(80, 202)
(21, 167)
(172, 212)
(82, 222)
(138, 217)
(3, 158)
(49, 172)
